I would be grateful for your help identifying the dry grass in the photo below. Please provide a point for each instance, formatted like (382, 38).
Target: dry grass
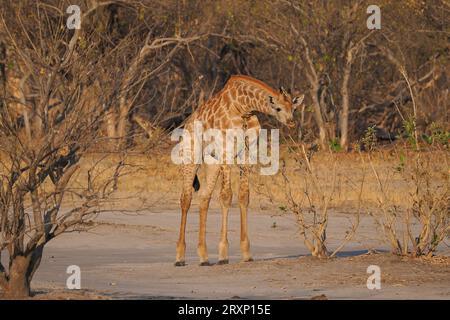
(156, 176)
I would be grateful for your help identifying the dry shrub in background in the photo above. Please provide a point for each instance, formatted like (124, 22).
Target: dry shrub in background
(310, 201)
(422, 222)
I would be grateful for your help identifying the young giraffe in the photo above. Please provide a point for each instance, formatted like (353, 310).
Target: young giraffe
(232, 107)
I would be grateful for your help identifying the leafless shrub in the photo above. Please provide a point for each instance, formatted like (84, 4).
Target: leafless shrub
(311, 205)
(418, 228)
(49, 123)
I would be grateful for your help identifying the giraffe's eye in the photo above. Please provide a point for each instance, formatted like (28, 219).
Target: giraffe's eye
(278, 109)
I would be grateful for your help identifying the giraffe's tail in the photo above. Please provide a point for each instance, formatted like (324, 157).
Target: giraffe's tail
(196, 184)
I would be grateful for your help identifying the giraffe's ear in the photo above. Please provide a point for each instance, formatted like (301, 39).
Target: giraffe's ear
(297, 101)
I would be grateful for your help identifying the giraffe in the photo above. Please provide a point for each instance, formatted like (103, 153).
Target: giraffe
(233, 107)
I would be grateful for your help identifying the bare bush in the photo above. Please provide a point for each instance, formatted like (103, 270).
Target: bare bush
(418, 228)
(49, 121)
(311, 204)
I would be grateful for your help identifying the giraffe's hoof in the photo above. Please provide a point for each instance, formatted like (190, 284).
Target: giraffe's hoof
(250, 259)
(224, 261)
(205, 264)
(180, 264)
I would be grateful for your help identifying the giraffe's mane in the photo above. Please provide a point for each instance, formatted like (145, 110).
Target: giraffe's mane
(257, 82)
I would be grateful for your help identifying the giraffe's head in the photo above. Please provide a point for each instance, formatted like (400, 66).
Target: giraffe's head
(282, 106)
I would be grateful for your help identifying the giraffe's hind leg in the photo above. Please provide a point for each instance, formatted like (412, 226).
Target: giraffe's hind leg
(212, 173)
(188, 172)
(244, 195)
(226, 195)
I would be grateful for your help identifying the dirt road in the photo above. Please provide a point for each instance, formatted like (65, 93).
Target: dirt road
(131, 256)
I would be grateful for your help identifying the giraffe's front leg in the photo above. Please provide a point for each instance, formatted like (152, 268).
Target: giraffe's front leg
(225, 201)
(244, 195)
(212, 172)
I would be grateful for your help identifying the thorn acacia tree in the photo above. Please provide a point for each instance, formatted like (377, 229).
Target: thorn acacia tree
(51, 115)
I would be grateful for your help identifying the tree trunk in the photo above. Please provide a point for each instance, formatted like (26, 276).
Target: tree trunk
(123, 122)
(344, 112)
(323, 136)
(313, 79)
(18, 285)
(24, 107)
(345, 100)
(21, 272)
(320, 251)
(111, 124)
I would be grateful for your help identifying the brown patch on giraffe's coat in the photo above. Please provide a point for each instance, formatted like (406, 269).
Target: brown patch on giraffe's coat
(237, 122)
(225, 123)
(225, 98)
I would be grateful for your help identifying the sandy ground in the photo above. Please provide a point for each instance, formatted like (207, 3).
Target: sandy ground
(131, 257)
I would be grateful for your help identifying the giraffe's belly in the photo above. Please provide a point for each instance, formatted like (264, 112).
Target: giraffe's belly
(232, 142)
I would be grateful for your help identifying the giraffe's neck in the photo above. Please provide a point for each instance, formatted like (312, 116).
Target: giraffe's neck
(239, 99)
(249, 98)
